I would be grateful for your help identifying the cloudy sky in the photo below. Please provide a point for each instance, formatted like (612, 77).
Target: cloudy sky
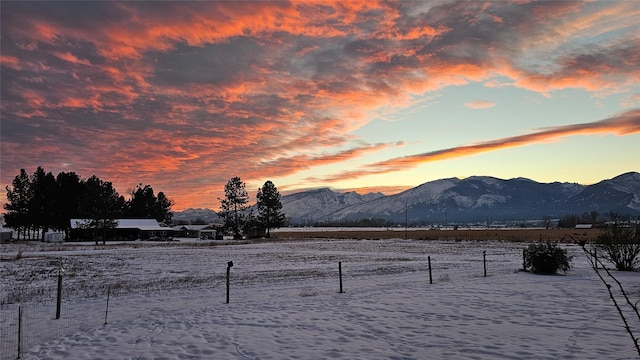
(352, 95)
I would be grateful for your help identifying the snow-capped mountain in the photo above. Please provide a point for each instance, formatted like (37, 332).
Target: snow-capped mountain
(206, 215)
(620, 194)
(314, 205)
(477, 198)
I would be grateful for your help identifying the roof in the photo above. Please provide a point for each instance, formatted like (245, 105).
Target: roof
(141, 224)
(193, 227)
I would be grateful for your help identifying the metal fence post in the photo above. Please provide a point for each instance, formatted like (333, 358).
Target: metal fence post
(484, 262)
(106, 313)
(229, 265)
(340, 274)
(19, 330)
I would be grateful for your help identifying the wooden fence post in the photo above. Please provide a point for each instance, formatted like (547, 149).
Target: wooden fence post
(430, 278)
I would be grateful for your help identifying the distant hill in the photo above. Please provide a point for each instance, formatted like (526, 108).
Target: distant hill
(477, 198)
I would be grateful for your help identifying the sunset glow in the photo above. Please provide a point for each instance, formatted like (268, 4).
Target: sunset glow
(354, 95)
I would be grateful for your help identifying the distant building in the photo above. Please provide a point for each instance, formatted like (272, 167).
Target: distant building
(196, 231)
(5, 234)
(126, 229)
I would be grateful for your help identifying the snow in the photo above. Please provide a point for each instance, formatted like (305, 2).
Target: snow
(433, 190)
(168, 302)
(489, 200)
(488, 180)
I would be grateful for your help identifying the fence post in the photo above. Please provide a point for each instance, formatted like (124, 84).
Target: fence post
(59, 297)
(595, 257)
(106, 313)
(430, 278)
(524, 259)
(340, 274)
(229, 265)
(19, 330)
(484, 262)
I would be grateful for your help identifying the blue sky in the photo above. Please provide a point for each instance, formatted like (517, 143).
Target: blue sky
(364, 96)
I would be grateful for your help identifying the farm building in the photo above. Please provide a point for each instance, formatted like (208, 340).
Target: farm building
(196, 231)
(126, 229)
(5, 234)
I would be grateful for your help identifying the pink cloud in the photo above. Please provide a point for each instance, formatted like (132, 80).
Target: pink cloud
(479, 104)
(188, 94)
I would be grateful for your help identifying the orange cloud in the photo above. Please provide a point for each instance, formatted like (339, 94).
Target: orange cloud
(10, 62)
(187, 94)
(626, 123)
(293, 164)
(67, 56)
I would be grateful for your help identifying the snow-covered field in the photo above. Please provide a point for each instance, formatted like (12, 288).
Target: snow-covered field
(167, 301)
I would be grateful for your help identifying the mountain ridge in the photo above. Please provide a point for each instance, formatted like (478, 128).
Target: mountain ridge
(476, 198)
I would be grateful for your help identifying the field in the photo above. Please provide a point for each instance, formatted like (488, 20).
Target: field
(515, 235)
(168, 301)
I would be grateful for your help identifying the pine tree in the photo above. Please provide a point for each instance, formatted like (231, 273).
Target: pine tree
(100, 206)
(269, 206)
(163, 208)
(18, 201)
(145, 204)
(70, 188)
(233, 206)
(43, 201)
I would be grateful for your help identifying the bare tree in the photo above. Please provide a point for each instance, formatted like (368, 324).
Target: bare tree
(620, 244)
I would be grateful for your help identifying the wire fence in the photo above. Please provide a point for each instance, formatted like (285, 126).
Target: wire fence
(28, 312)
(27, 324)
(23, 326)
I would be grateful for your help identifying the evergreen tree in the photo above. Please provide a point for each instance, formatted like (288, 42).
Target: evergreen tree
(144, 204)
(17, 206)
(43, 200)
(269, 206)
(101, 206)
(233, 206)
(70, 188)
(164, 213)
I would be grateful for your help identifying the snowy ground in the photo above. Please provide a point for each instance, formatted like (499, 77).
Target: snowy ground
(167, 301)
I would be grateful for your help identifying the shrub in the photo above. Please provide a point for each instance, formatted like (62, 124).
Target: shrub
(546, 258)
(620, 244)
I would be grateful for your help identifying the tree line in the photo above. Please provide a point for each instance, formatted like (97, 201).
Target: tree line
(591, 217)
(41, 202)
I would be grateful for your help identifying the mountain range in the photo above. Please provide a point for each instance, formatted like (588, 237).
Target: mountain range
(453, 200)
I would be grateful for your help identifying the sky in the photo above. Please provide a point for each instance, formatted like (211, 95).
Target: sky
(352, 95)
